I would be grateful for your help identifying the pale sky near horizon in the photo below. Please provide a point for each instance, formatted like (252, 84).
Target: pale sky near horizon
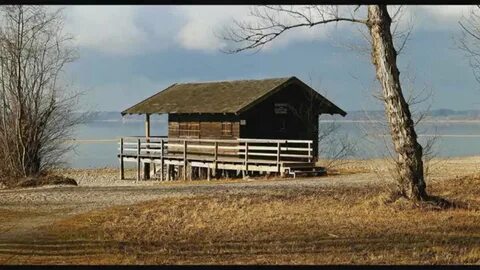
(128, 53)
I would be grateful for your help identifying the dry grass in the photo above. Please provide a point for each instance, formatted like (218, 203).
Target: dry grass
(7, 215)
(308, 226)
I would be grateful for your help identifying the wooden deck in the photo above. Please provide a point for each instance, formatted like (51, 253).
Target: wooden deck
(202, 158)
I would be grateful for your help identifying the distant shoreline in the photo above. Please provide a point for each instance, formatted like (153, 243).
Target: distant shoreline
(321, 121)
(375, 135)
(424, 121)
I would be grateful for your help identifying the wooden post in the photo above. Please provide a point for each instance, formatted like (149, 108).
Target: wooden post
(208, 173)
(122, 170)
(190, 172)
(168, 172)
(246, 159)
(138, 159)
(161, 160)
(185, 160)
(215, 159)
(279, 149)
(309, 152)
(146, 166)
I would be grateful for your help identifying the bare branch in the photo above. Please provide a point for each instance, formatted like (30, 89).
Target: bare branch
(469, 40)
(273, 21)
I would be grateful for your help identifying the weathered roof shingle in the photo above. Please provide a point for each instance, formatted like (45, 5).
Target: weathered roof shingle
(212, 97)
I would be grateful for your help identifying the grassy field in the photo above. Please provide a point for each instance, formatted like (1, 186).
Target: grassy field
(313, 226)
(265, 221)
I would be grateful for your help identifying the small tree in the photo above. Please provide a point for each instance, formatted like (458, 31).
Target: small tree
(36, 113)
(273, 21)
(333, 146)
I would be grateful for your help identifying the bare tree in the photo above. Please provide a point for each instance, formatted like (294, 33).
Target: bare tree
(419, 101)
(335, 147)
(36, 112)
(273, 21)
(469, 40)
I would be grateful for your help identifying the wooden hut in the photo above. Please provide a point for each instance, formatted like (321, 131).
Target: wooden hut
(267, 109)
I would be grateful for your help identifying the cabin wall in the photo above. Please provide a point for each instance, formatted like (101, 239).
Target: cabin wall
(291, 113)
(203, 126)
(287, 114)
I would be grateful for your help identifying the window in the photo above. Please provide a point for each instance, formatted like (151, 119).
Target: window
(281, 108)
(189, 130)
(227, 129)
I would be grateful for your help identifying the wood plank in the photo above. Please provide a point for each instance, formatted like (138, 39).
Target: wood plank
(185, 160)
(246, 159)
(122, 168)
(138, 160)
(162, 163)
(299, 156)
(279, 150)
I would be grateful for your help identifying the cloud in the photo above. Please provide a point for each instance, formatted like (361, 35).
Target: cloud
(131, 30)
(121, 30)
(204, 26)
(203, 23)
(437, 18)
(108, 29)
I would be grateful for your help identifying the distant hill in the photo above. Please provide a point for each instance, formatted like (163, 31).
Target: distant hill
(436, 115)
(440, 114)
(112, 116)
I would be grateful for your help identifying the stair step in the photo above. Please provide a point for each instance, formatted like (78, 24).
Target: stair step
(309, 173)
(304, 170)
(316, 168)
(299, 165)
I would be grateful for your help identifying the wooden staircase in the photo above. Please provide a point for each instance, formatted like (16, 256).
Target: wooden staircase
(304, 169)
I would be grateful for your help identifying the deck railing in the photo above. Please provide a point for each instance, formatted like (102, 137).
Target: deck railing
(247, 151)
(266, 149)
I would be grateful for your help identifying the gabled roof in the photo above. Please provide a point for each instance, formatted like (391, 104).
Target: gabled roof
(218, 97)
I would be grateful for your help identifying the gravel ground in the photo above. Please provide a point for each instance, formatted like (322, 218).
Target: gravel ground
(109, 192)
(100, 188)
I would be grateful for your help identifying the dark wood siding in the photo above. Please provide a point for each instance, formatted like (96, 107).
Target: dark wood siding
(204, 126)
(287, 114)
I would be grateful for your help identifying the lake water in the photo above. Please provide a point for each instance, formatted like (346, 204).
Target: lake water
(97, 140)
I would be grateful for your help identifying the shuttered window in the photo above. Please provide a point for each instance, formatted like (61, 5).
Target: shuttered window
(227, 129)
(189, 129)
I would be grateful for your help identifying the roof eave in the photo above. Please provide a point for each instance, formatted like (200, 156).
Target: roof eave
(132, 108)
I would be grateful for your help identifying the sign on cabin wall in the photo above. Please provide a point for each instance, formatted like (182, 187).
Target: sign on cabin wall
(281, 108)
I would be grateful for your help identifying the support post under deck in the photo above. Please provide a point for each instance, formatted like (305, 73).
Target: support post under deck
(146, 166)
(185, 160)
(162, 162)
(138, 160)
(122, 169)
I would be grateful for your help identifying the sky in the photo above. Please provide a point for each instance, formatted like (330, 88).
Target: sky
(128, 53)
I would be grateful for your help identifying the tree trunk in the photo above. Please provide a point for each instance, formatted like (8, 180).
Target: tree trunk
(410, 164)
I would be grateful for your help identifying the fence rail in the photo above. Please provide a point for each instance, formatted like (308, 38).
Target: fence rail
(246, 153)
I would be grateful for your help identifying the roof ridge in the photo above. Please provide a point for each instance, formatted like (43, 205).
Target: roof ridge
(265, 95)
(239, 80)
